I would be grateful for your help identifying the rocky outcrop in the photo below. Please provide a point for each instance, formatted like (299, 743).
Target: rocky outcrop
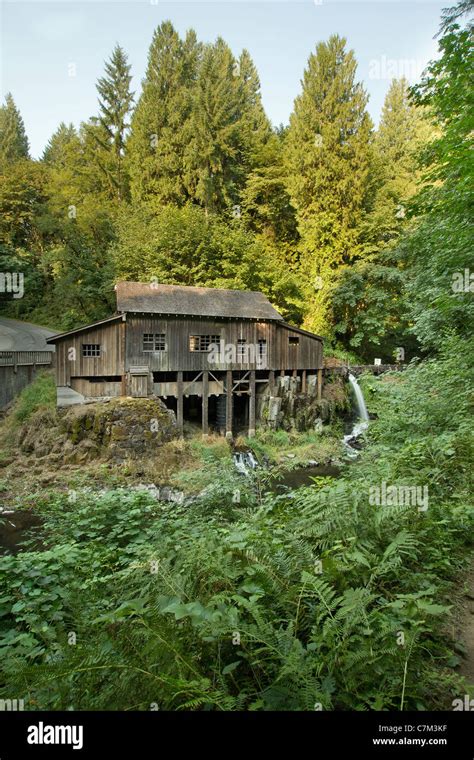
(115, 430)
(292, 410)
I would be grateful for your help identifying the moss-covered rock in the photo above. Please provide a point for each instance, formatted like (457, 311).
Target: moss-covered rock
(121, 428)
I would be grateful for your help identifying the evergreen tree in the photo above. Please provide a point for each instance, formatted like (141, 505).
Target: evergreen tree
(108, 130)
(13, 139)
(56, 150)
(254, 123)
(217, 146)
(369, 310)
(230, 128)
(160, 127)
(329, 159)
(266, 204)
(404, 129)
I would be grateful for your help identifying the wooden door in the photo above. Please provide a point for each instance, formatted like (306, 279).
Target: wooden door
(139, 386)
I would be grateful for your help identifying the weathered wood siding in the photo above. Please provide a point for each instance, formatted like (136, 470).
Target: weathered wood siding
(71, 363)
(306, 354)
(121, 349)
(177, 356)
(90, 389)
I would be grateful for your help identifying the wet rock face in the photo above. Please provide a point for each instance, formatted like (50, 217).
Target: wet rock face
(292, 410)
(116, 430)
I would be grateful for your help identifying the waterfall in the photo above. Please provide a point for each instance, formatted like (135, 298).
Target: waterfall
(245, 461)
(363, 417)
(360, 403)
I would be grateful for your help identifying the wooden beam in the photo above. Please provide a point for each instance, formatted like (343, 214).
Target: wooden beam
(252, 400)
(271, 382)
(320, 384)
(303, 382)
(179, 406)
(205, 403)
(228, 416)
(123, 351)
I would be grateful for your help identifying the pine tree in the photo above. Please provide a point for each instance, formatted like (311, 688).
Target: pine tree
(266, 204)
(404, 129)
(107, 132)
(13, 139)
(55, 152)
(368, 307)
(160, 127)
(217, 149)
(255, 125)
(329, 159)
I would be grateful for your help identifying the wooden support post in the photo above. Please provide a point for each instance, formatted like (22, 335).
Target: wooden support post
(205, 403)
(252, 401)
(303, 382)
(295, 373)
(271, 382)
(228, 415)
(282, 373)
(123, 349)
(320, 384)
(179, 408)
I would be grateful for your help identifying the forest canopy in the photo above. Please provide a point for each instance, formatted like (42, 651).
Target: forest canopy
(353, 232)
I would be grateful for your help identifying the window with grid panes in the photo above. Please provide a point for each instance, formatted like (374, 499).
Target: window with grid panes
(91, 349)
(154, 342)
(203, 342)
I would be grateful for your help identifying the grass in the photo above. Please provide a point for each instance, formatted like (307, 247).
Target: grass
(41, 393)
(277, 445)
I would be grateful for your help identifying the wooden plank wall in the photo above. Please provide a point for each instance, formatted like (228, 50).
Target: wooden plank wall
(89, 389)
(280, 354)
(73, 364)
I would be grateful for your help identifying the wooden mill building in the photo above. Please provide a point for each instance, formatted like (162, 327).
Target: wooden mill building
(206, 352)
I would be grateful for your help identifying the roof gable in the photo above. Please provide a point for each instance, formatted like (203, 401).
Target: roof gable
(151, 298)
(84, 328)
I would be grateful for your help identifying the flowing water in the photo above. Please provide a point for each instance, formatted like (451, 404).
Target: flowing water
(301, 476)
(362, 422)
(244, 461)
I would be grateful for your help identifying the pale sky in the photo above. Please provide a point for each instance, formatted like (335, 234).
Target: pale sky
(52, 53)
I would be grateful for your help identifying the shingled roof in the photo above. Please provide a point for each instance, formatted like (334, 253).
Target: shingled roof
(152, 298)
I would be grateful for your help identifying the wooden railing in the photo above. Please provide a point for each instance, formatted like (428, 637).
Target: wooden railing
(22, 358)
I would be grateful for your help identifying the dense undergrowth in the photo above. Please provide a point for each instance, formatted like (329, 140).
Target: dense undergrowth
(246, 600)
